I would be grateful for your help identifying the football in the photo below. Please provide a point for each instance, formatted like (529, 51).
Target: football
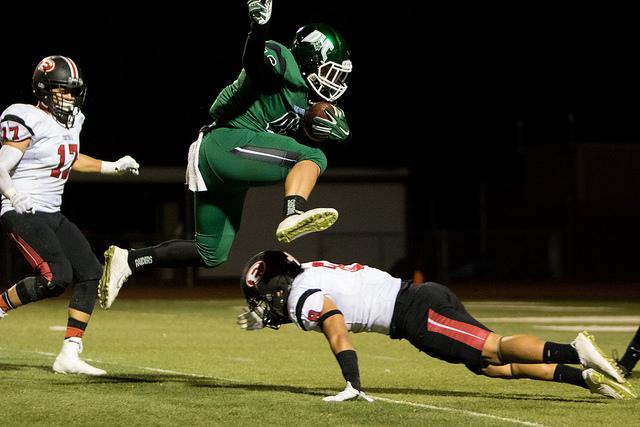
(317, 109)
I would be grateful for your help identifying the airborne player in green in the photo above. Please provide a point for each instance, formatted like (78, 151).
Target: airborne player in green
(247, 146)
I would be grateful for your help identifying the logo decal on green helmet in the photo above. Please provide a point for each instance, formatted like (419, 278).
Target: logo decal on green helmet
(320, 42)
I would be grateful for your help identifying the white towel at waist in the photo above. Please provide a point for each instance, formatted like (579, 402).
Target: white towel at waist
(195, 182)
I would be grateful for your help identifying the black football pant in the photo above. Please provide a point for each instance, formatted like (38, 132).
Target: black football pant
(58, 251)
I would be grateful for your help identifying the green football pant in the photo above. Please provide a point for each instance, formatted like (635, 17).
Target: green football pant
(231, 161)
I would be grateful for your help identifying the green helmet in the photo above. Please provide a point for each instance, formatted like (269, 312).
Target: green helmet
(324, 59)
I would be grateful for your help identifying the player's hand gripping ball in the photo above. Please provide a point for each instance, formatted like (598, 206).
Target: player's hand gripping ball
(324, 121)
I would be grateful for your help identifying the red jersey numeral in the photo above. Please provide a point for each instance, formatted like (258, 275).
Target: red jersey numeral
(58, 172)
(13, 130)
(351, 267)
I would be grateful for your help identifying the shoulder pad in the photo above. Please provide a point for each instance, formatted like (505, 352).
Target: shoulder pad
(18, 122)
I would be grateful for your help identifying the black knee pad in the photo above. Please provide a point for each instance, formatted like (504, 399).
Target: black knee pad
(35, 288)
(52, 289)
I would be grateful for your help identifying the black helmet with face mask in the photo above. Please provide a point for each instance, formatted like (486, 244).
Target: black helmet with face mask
(266, 282)
(54, 77)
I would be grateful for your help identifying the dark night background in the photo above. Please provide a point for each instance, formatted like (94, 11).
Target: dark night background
(462, 94)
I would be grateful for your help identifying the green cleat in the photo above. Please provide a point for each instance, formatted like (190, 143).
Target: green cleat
(298, 225)
(601, 384)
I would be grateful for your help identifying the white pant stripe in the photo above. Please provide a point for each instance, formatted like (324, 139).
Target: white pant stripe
(259, 153)
(453, 329)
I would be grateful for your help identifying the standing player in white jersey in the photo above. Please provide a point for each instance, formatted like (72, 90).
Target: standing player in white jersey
(40, 147)
(336, 299)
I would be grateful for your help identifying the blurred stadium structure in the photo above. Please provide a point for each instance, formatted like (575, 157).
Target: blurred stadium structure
(144, 210)
(576, 218)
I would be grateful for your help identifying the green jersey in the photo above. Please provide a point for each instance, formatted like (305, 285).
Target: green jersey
(244, 104)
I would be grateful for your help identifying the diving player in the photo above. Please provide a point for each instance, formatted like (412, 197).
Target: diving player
(336, 299)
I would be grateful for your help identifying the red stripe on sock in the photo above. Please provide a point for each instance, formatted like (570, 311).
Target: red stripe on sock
(73, 332)
(35, 261)
(465, 333)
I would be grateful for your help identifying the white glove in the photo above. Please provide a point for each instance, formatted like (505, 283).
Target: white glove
(22, 203)
(251, 320)
(259, 11)
(126, 164)
(349, 393)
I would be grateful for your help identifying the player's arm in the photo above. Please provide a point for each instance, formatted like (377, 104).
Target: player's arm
(11, 153)
(88, 164)
(335, 330)
(256, 65)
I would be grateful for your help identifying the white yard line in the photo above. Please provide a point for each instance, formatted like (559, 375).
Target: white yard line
(573, 323)
(534, 306)
(590, 328)
(169, 371)
(461, 411)
(563, 319)
(382, 399)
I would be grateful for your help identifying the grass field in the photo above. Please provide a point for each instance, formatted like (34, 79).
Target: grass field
(184, 362)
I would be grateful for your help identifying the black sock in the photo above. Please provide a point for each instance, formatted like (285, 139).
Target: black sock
(632, 354)
(559, 353)
(141, 259)
(171, 254)
(569, 375)
(293, 205)
(348, 361)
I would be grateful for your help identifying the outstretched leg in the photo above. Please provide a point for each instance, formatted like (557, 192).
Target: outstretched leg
(217, 219)
(120, 264)
(529, 349)
(590, 379)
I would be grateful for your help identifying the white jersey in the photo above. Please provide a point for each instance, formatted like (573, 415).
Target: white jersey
(45, 166)
(366, 296)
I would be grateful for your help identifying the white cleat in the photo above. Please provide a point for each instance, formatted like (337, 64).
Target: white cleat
(1, 313)
(298, 225)
(591, 356)
(601, 384)
(116, 271)
(68, 361)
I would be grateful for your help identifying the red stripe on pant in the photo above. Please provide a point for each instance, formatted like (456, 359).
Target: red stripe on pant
(35, 261)
(465, 333)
